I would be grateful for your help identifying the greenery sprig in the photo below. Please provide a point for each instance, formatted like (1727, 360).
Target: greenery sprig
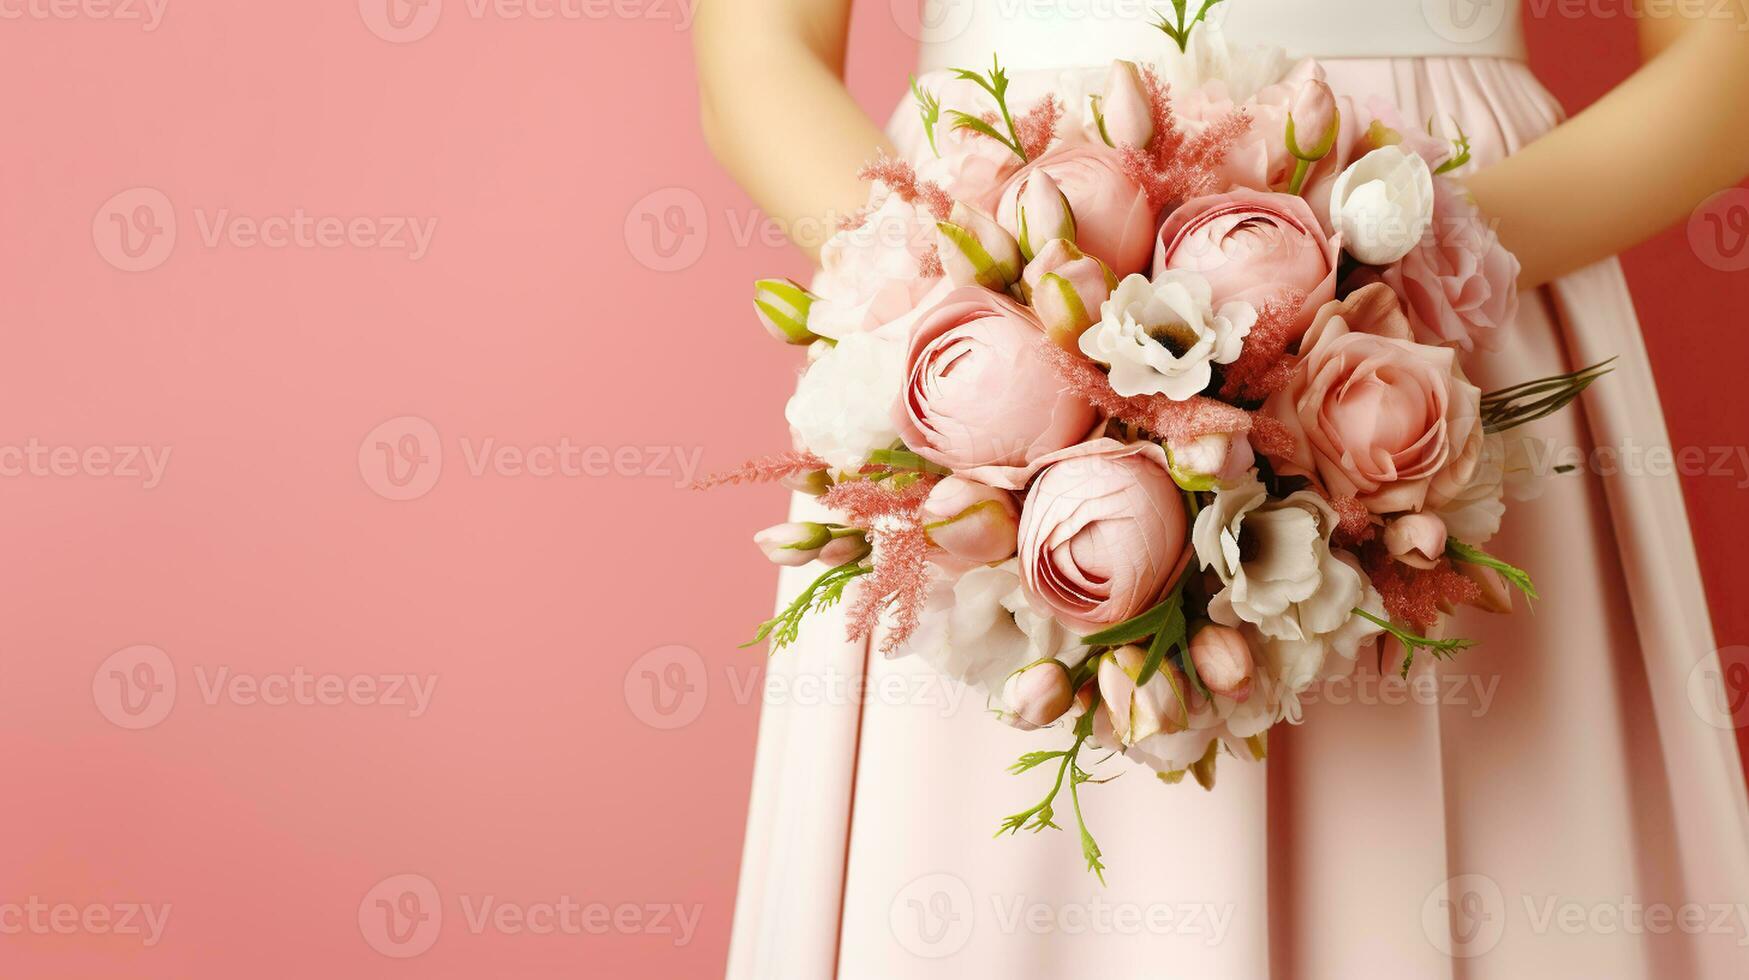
(1515, 406)
(929, 107)
(1042, 814)
(995, 83)
(1518, 577)
(1179, 30)
(1414, 642)
(822, 593)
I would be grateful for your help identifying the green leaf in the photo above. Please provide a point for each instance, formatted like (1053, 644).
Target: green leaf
(1130, 630)
(1520, 579)
(1168, 636)
(904, 459)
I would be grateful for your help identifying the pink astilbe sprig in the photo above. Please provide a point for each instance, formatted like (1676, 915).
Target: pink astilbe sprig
(899, 582)
(763, 469)
(1177, 165)
(1264, 365)
(1415, 595)
(929, 263)
(1354, 522)
(1037, 127)
(893, 520)
(1166, 418)
(901, 178)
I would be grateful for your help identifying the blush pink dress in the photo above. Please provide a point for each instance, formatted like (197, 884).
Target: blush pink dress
(1565, 800)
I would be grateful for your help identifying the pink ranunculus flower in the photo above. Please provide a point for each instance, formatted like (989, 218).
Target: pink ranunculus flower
(1375, 415)
(1252, 247)
(1102, 533)
(980, 397)
(1113, 219)
(971, 166)
(1459, 285)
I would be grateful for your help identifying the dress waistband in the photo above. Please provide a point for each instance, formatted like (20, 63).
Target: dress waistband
(1032, 34)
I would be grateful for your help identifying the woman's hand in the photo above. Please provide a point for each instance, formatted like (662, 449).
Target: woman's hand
(776, 112)
(1638, 160)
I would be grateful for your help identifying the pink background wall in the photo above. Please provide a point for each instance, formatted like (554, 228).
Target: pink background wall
(208, 661)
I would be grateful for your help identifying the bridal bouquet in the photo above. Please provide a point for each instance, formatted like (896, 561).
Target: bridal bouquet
(1137, 397)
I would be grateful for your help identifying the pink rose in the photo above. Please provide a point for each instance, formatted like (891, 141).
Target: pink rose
(1113, 219)
(1252, 247)
(1460, 285)
(1375, 415)
(980, 398)
(1102, 533)
(972, 167)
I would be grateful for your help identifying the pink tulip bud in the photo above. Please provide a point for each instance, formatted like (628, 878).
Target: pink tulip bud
(783, 308)
(1496, 594)
(1067, 288)
(1223, 661)
(1416, 540)
(976, 251)
(1124, 113)
(1039, 693)
(814, 483)
(1215, 460)
(849, 548)
(1042, 213)
(1313, 122)
(971, 521)
(793, 544)
(1139, 712)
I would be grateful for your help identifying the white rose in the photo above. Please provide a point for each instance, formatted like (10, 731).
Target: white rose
(842, 409)
(1382, 205)
(1161, 337)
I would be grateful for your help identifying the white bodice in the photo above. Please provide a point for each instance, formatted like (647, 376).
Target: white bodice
(1059, 33)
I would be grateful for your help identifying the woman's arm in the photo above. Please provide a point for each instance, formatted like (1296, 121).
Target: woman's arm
(776, 112)
(1638, 160)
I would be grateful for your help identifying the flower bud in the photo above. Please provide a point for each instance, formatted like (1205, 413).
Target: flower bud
(976, 251)
(1039, 693)
(783, 307)
(1066, 287)
(1139, 712)
(1416, 540)
(1223, 661)
(814, 483)
(1124, 114)
(849, 548)
(793, 544)
(971, 521)
(1215, 460)
(1496, 594)
(1313, 122)
(1042, 213)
